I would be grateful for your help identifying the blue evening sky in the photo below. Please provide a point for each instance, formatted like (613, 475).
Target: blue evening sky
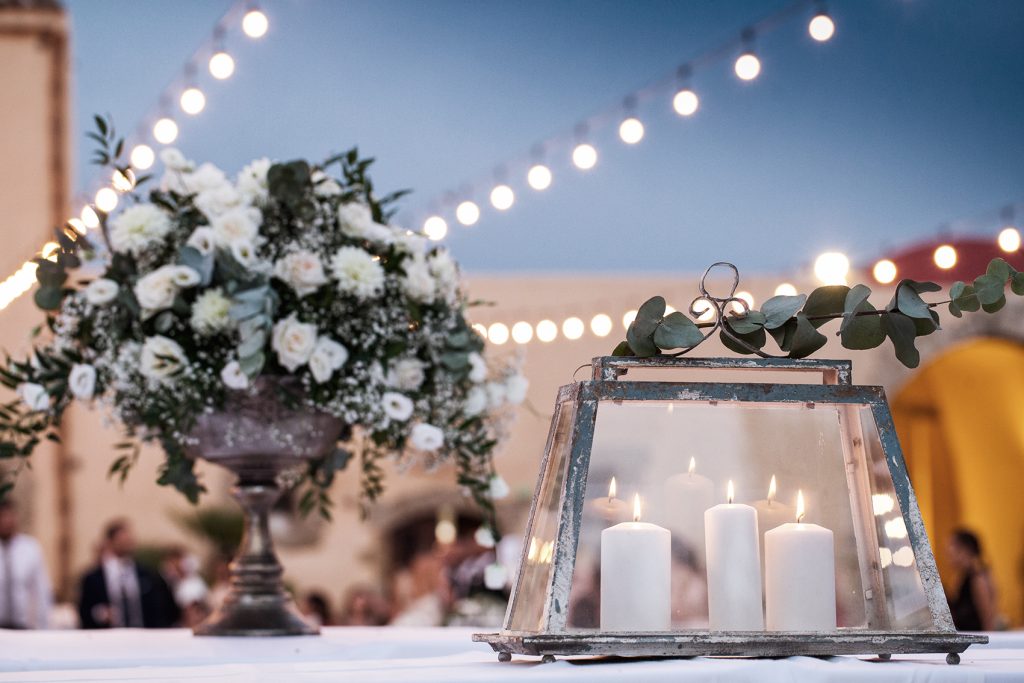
(912, 116)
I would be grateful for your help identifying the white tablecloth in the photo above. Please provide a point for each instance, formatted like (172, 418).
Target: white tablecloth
(428, 655)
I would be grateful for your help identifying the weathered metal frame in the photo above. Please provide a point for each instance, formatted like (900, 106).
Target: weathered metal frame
(836, 388)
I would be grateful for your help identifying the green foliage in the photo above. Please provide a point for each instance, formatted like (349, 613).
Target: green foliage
(793, 322)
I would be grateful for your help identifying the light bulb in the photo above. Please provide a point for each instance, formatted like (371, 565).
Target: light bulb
(89, 217)
(945, 257)
(539, 177)
(1009, 239)
(821, 27)
(748, 66)
(435, 228)
(255, 23)
(165, 131)
(685, 102)
(192, 101)
(704, 311)
(497, 333)
(480, 330)
(631, 130)
(572, 328)
(601, 325)
(106, 199)
(832, 268)
(584, 156)
(222, 65)
(522, 332)
(467, 213)
(884, 271)
(547, 330)
(502, 197)
(785, 289)
(745, 297)
(122, 182)
(627, 318)
(78, 225)
(142, 157)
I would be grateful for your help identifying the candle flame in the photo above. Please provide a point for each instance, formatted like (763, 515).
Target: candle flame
(772, 490)
(693, 466)
(636, 507)
(800, 505)
(730, 492)
(612, 488)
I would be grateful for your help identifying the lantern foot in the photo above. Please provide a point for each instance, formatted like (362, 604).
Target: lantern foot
(504, 656)
(547, 659)
(885, 657)
(952, 659)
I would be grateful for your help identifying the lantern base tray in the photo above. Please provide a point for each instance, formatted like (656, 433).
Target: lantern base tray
(884, 644)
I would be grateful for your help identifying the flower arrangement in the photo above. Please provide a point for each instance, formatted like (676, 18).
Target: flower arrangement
(209, 283)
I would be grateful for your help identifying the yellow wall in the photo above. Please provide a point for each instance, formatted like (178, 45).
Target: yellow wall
(961, 424)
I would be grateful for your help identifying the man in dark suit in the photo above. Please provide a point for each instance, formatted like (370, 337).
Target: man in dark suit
(121, 594)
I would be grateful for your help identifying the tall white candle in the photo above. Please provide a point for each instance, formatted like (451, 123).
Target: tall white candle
(800, 576)
(771, 512)
(734, 567)
(687, 496)
(636, 579)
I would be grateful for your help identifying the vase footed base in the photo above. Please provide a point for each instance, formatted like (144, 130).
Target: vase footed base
(274, 615)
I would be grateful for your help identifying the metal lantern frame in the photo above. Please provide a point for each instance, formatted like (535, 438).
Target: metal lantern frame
(836, 388)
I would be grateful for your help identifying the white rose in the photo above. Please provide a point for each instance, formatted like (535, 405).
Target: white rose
(302, 271)
(477, 368)
(483, 537)
(202, 240)
(476, 402)
(34, 396)
(183, 276)
(101, 291)
(498, 487)
(355, 218)
(82, 381)
(328, 356)
(161, 358)
(357, 273)
(205, 178)
(426, 437)
(293, 341)
(233, 377)
(412, 243)
(138, 227)
(418, 282)
(235, 224)
(446, 275)
(397, 406)
(174, 160)
(211, 312)
(516, 387)
(252, 181)
(244, 252)
(155, 291)
(324, 185)
(495, 395)
(406, 374)
(218, 200)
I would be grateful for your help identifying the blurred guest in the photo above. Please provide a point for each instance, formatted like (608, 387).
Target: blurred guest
(25, 597)
(316, 607)
(181, 571)
(220, 580)
(364, 606)
(973, 606)
(422, 591)
(120, 593)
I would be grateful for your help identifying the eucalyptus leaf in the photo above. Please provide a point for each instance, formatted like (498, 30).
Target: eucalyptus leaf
(989, 288)
(825, 301)
(806, 338)
(677, 331)
(993, 307)
(623, 349)
(925, 326)
(783, 336)
(746, 324)
(756, 338)
(1017, 284)
(163, 322)
(901, 332)
(252, 365)
(908, 301)
(1000, 268)
(252, 344)
(455, 360)
(652, 309)
(780, 309)
(48, 298)
(859, 332)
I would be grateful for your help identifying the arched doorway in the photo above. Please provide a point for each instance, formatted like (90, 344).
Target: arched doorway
(960, 421)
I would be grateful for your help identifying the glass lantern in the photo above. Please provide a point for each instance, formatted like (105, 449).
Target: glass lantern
(682, 438)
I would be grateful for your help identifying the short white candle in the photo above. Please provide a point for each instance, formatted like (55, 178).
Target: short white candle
(734, 567)
(800, 576)
(687, 497)
(636, 578)
(610, 509)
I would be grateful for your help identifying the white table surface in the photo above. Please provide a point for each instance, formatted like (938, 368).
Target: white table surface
(426, 655)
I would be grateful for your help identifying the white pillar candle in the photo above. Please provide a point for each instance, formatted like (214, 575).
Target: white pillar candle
(734, 567)
(800, 576)
(636, 579)
(610, 509)
(687, 497)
